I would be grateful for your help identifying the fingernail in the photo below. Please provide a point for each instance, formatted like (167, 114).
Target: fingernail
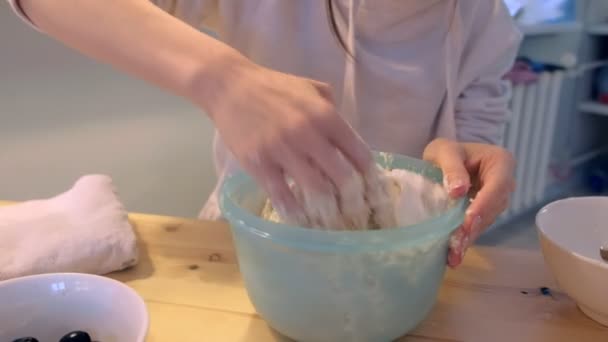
(456, 187)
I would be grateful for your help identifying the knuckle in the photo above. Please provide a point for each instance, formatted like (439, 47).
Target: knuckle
(437, 144)
(435, 148)
(324, 112)
(324, 87)
(300, 133)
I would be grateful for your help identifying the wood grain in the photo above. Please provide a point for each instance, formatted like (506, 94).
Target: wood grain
(189, 277)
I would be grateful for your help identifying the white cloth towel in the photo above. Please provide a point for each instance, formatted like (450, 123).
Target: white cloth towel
(85, 229)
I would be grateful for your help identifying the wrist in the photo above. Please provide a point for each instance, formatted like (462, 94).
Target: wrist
(211, 80)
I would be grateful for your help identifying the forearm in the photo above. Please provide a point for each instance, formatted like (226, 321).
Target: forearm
(138, 37)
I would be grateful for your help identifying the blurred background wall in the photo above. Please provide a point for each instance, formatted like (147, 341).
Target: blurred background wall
(63, 116)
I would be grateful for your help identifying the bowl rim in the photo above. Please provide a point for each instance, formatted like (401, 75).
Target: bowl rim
(334, 240)
(561, 247)
(142, 307)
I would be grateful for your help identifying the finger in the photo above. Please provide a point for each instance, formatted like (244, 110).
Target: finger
(458, 240)
(450, 157)
(491, 200)
(464, 238)
(324, 90)
(347, 141)
(315, 193)
(479, 227)
(484, 211)
(340, 133)
(497, 184)
(346, 181)
(273, 180)
(327, 157)
(296, 165)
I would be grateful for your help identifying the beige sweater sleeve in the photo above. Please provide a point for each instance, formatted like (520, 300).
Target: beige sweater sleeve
(197, 13)
(482, 107)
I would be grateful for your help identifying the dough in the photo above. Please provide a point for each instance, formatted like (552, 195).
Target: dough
(384, 199)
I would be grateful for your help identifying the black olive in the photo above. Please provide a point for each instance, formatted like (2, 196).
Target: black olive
(26, 339)
(76, 336)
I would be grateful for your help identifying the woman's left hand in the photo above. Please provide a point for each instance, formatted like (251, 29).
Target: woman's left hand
(485, 172)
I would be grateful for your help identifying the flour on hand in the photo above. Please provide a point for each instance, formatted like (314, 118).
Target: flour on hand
(391, 198)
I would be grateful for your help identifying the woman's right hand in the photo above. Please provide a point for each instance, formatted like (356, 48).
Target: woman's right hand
(275, 124)
(279, 125)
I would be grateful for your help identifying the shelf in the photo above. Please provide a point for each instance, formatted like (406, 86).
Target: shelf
(594, 108)
(598, 29)
(550, 28)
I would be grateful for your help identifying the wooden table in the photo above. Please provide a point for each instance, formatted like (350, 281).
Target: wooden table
(189, 277)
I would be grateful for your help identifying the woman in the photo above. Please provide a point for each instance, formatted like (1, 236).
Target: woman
(294, 85)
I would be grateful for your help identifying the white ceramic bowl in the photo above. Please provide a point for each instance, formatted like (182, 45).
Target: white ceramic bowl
(571, 232)
(51, 305)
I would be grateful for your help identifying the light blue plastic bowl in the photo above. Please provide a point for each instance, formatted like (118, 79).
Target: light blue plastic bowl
(314, 285)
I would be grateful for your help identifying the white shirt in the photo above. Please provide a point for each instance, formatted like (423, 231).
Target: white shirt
(425, 68)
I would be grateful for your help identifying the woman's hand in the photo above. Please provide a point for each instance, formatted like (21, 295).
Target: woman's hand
(275, 124)
(485, 171)
(279, 125)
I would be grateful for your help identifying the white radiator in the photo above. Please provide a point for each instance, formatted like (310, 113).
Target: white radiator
(529, 136)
